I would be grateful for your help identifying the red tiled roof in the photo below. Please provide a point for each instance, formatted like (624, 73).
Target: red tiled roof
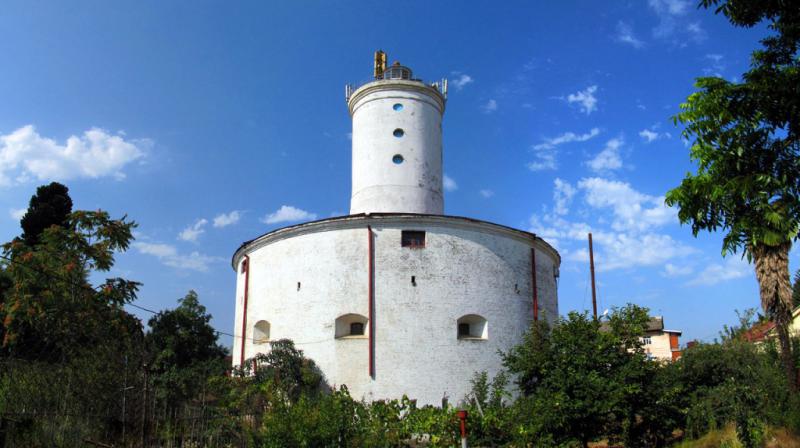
(758, 332)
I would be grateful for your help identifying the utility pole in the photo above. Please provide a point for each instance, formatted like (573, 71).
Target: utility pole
(591, 267)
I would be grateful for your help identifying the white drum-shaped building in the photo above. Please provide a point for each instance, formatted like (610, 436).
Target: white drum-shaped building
(395, 298)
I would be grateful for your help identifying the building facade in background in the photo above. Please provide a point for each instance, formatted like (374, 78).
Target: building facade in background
(396, 297)
(659, 343)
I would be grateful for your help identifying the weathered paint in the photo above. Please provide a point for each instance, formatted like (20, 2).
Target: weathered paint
(466, 267)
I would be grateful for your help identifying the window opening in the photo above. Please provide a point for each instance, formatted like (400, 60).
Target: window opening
(397, 159)
(398, 133)
(412, 238)
(356, 329)
(398, 107)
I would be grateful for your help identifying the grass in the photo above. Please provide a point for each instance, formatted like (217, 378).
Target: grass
(726, 438)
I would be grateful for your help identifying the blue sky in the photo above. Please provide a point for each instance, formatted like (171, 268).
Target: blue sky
(210, 123)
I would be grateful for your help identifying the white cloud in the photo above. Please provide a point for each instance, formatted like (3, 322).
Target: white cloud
(567, 137)
(614, 250)
(26, 155)
(632, 210)
(461, 80)
(449, 184)
(625, 35)
(288, 213)
(625, 233)
(696, 32)
(490, 106)
(669, 7)
(546, 152)
(609, 158)
(585, 99)
(733, 268)
(17, 213)
(648, 135)
(671, 270)
(169, 256)
(717, 65)
(562, 196)
(226, 219)
(193, 232)
(486, 193)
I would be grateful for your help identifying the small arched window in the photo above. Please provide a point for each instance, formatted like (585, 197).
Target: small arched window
(261, 332)
(472, 326)
(351, 326)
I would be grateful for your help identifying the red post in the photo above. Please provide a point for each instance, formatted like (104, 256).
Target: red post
(371, 305)
(462, 415)
(591, 267)
(533, 286)
(246, 266)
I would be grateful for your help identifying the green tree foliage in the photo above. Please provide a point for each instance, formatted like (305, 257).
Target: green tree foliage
(183, 350)
(747, 147)
(52, 308)
(581, 381)
(796, 289)
(50, 206)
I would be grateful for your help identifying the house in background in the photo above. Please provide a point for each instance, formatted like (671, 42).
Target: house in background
(659, 343)
(764, 331)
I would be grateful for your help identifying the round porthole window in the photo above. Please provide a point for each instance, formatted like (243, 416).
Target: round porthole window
(397, 159)
(398, 107)
(399, 133)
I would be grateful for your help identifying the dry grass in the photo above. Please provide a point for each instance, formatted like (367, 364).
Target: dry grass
(776, 438)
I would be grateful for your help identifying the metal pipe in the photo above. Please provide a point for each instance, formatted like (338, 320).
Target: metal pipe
(244, 309)
(591, 267)
(462, 416)
(533, 286)
(371, 305)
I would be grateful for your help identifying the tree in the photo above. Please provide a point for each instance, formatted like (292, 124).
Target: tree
(51, 205)
(52, 309)
(747, 147)
(796, 290)
(183, 349)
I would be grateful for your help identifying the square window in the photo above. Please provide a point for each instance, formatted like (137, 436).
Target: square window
(356, 329)
(412, 238)
(463, 330)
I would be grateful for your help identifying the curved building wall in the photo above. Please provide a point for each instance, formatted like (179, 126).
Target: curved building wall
(397, 148)
(305, 277)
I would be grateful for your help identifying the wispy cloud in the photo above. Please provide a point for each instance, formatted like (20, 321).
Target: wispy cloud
(625, 35)
(461, 80)
(489, 107)
(562, 196)
(26, 155)
(609, 158)
(585, 99)
(449, 184)
(226, 219)
(486, 193)
(631, 210)
(194, 231)
(651, 134)
(169, 256)
(672, 270)
(732, 268)
(288, 213)
(546, 152)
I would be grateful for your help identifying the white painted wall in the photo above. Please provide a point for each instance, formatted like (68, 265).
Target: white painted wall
(379, 184)
(466, 267)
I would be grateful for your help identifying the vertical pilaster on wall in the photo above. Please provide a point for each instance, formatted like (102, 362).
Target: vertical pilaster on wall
(246, 266)
(535, 290)
(371, 295)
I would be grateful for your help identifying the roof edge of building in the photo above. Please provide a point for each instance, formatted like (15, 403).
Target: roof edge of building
(377, 218)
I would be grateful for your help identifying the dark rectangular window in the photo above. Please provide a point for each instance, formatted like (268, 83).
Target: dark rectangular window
(412, 238)
(356, 329)
(463, 330)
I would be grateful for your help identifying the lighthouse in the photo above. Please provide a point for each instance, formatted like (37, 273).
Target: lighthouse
(396, 298)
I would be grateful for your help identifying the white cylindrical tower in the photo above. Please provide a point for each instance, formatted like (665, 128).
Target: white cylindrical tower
(397, 144)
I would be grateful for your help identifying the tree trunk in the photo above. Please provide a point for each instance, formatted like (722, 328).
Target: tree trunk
(772, 273)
